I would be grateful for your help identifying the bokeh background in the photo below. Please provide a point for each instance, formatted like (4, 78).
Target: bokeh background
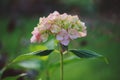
(102, 18)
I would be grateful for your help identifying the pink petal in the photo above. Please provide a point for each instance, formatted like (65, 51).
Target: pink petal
(83, 34)
(36, 31)
(59, 37)
(66, 36)
(64, 16)
(38, 37)
(55, 13)
(73, 33)
(33, 39)
(62, 35)
(47, 26)
(55, 29)
(65, 42)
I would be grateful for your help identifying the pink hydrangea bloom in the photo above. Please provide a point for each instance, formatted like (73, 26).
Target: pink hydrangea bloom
(63, 26)
(53, 16)
(73, 33)
(36, 35)
(63, 16)
(55, 29)
(83, 34)
(63, 37)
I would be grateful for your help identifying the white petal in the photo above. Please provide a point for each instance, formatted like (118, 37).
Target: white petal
(83, 24)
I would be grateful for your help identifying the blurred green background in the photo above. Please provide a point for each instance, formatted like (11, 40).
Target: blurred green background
(102, 18)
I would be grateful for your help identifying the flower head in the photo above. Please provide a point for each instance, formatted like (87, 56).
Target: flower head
(65, 28)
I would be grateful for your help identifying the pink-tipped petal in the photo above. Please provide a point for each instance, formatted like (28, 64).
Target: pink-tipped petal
(73, 33)
(62, 35)
(55, 13)
(55, 29)
(64, 16)
(33, 39)
(36, 31)
(83, 34)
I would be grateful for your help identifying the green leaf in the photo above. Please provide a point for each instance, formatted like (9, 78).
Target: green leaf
(31, 64)
(85, 53)
(37, 48)
(32, 55)
(44, 53)
(71, 59)
(15, 77)
(66, 61)
(50, 44)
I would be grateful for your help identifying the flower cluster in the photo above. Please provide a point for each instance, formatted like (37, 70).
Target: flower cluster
(65, 28)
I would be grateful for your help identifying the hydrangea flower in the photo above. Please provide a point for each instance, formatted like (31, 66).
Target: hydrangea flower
(65, 28)
(63, 37)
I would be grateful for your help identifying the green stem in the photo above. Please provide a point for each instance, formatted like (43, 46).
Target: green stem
(62, 50)
(61, 65)
(47, 73)
(1, 71)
